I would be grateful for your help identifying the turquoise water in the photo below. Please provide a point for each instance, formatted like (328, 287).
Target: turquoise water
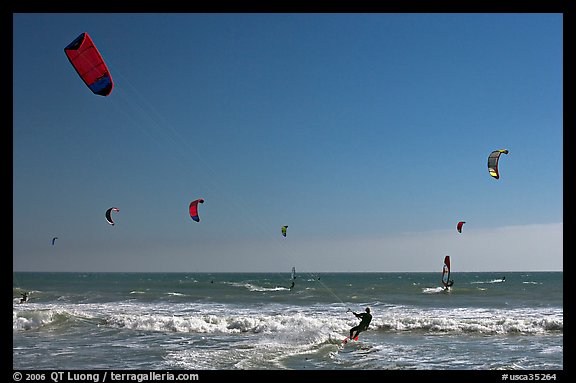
(253, 321)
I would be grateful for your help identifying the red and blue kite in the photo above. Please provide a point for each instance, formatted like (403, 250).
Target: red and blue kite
(89, 64)
(194, 209)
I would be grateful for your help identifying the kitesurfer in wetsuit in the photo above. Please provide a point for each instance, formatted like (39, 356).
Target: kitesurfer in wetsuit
(365, 319)
(24, 298)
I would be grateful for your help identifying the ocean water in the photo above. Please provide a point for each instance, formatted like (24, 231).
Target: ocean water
(253, 321)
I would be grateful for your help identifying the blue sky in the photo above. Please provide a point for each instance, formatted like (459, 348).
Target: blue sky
(367, 134)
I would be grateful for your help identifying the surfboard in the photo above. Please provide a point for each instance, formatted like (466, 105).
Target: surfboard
(348, 338)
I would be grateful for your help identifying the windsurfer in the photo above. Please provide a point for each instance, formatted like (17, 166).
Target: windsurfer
(292, 285)
(449, 284)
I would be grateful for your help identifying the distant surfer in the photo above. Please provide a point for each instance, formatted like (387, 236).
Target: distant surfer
(292, 285)
(24, 298)
(365, 319)
(503, 279)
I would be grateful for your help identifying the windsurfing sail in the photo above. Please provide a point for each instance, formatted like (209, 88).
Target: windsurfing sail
(54, 240)
(89, 65)
(493, 159)
(109, 215)
(284, 228)
(194, 209)
(293, 273)
(446, 271)
(459, 226)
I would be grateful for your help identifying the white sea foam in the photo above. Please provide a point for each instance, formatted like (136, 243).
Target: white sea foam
(222, 319)
(490, 281)
(433, 290)
(253, 287)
